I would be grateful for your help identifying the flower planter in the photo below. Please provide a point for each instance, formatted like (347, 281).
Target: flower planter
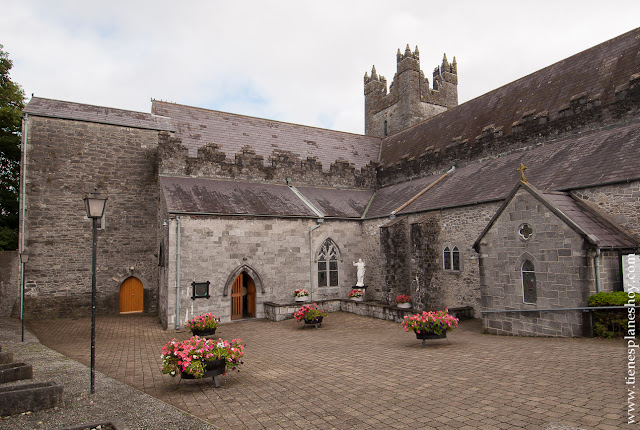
(424, 335)
(301, 299)
(357, 299)
(213, 369)
(315, 322)
(404, 305)
(203, 332)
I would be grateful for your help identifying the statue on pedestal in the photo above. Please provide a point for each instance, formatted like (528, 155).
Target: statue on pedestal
(360, 265)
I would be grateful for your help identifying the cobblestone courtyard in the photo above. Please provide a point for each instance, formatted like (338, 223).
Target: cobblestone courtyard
(359, 372)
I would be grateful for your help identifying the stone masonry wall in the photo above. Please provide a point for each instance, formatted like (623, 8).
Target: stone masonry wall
(563, 270)
(275, 249)
(406, 257)
(211, 162)
(65, 161)
(9, 282)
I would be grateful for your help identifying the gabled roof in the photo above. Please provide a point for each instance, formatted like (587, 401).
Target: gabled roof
(595, 72)
(600, 157)
(197, 127)
(229, 197)
(49, 108)
(594, 227)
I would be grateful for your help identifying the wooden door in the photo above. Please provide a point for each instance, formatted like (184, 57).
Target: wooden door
(251, 298)
(236, 298)
(131, 296)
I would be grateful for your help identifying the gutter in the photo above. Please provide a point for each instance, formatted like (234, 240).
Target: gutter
(304, 199)
(23, 205)
(319, 221)
(427, 188)
(596, 269)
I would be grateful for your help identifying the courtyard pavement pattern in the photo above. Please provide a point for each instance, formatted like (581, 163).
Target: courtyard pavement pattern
(365, 373)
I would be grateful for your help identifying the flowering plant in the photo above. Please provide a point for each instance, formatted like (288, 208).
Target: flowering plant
(355, 293)
(203, 322)
(403, 298)
(189, 356)
(300, 293)
(436, 322)
(309, 313)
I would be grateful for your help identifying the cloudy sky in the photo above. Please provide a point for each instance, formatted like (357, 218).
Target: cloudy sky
(295, 61)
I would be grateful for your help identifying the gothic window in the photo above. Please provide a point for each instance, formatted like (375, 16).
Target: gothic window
(328, 264)
(451, 259)
(455, 259)
(446, 257)
(529, 282)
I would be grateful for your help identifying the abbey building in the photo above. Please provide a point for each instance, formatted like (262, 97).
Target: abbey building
(522, 199)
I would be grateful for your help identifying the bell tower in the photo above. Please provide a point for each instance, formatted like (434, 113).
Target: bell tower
(410, 98)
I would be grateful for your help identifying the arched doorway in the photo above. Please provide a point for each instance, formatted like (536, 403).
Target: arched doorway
(131, 294)
(243, 297)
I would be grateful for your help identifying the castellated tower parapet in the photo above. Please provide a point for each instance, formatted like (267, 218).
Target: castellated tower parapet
(410, 98)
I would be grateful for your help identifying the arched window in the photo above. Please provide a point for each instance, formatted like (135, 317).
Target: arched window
(446, 258)
(328, 264)
(455, 259)
(529, 282)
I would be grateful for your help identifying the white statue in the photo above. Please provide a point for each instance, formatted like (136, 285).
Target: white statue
(360, 264)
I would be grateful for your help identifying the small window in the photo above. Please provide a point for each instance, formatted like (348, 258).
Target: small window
(529, 282)
(200, 290)
(455, 259)
(451, 259)
(525, 231)
(386, 128)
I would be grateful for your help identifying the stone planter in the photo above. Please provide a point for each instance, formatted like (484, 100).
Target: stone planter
(213, 369)
(205, 332)
(404, 305)
(35, 396)
(14, 372)
(357, 299)
(314, 322)
(302, 299)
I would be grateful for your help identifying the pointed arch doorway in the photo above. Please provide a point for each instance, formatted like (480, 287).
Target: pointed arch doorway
(131, 296)
(243, 297)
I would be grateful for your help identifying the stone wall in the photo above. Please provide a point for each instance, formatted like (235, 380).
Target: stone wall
(274, 251)
(65, 160)
(563, 270)
(619, 201)
(211, 162)
(9, 282)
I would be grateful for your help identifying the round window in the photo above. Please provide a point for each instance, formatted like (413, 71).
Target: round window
(525, 231)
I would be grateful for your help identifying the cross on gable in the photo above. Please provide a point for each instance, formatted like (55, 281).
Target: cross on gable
(521, 169)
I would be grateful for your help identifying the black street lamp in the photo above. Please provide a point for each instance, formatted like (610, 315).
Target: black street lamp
(95, 204)
(24, 257)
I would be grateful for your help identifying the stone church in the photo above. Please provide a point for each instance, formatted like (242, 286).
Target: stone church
(518, 204)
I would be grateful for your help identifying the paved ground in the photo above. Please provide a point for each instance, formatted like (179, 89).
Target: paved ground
(359, 372)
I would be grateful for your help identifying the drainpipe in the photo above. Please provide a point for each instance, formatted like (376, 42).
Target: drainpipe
(596, 268)
(178, 273)
(319, 221)
(23, 204)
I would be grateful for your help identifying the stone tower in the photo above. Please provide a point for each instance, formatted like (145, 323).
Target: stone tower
(410, 99)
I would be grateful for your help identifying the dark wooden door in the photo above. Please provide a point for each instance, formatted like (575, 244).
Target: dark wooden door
(131, 296)
(251, 298)
(236, 298)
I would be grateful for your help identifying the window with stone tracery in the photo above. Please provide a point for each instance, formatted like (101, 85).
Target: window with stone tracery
(529, 282)
(328, 264)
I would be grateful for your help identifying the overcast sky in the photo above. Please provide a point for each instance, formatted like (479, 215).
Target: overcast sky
(295, 61)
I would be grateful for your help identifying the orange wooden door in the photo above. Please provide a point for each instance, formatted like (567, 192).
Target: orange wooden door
(131, 296)
(236, 298)
(251, 298)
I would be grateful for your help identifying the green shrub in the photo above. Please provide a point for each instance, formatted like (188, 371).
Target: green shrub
(610, 323)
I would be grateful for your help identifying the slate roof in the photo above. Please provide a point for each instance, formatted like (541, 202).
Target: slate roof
(598, 70)
(212, 196)
(197, 127)
(600, 157)
(38, 106)
(585, 220)
(338, 203)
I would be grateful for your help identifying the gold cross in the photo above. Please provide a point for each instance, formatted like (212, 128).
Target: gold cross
(521, 169)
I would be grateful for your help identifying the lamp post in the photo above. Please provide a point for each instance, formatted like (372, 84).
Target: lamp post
(24, 257)
(95, 205)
